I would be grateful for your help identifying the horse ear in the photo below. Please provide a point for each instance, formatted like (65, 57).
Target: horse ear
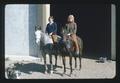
(36, 27)
(40, 28)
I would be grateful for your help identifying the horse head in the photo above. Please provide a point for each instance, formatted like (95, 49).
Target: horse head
(42, 36)
(38, 34)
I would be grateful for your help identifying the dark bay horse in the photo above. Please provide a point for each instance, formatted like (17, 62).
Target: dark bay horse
(45, 43)
(47, 46)
(68, 49)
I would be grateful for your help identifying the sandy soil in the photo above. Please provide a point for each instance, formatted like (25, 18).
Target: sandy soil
(91, 69)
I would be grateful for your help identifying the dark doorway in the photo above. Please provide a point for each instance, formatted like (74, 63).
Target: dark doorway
(94, 27)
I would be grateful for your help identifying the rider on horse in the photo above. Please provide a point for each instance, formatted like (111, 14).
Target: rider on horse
(69, 31)
(51, 29)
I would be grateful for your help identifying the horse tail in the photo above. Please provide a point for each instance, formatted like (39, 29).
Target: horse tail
(80, 42)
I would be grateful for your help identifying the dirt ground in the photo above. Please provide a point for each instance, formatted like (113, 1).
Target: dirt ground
(91, 69)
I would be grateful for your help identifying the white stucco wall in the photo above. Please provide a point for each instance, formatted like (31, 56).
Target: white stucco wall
(16, 30)
(33, 16)
(20, 21)
(44, 15)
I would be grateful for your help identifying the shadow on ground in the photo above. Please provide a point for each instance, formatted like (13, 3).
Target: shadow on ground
(33, 67)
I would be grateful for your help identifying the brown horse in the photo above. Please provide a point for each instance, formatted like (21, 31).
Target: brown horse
(55, 48)
(69, 49)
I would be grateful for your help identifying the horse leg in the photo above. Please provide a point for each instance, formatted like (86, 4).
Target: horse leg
(75, 62)
(56, 60)
(56, 55)
(80, 61)
(51, 65)
(70, 62)
(63, 58)
(45, 63)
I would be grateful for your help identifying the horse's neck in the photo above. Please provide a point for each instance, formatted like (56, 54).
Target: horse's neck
(42, 39)
(46, 38)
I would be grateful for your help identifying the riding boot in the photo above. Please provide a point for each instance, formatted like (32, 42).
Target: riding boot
(74, 38)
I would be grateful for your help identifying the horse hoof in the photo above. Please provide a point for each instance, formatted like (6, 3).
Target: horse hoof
(55, 65)
(45, 72)
(63, 73)
(70, 74)
(75, 75)
(51, 72)
(79, 69)
(75, 69)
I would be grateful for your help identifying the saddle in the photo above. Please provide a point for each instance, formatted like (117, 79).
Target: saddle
(73, 42)
(55, 38)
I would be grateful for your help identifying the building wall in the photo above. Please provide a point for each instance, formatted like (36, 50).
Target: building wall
(16, 30)
(33, 48)
(44, 15)
(20, 21)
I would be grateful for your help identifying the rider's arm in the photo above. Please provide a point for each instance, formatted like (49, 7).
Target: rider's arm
(67, 29)
(55, 28)
(75, 28)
